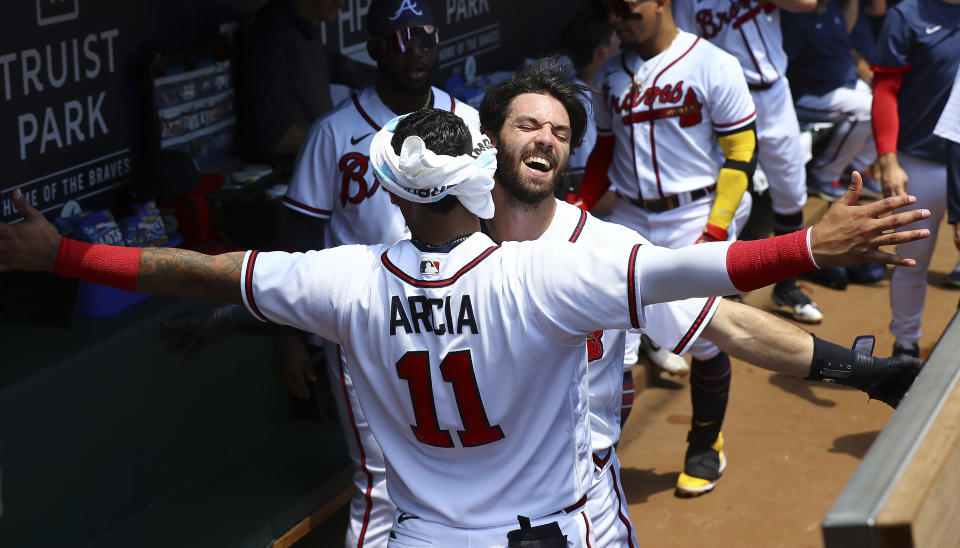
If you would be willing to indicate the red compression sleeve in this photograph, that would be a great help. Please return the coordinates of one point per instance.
(109, 265)
(884, 114)
(595, 182)
(758, 263)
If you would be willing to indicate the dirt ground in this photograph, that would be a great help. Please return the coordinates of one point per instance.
(791, 444)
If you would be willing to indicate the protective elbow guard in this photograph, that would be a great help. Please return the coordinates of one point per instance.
(884, 379)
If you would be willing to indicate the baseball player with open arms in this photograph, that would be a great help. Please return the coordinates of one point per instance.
(518, 115)
(750, 31)
(334, 199)
(675, 125)
(474, 430)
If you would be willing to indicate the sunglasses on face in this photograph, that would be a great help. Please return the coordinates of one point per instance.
(622, 8)
(399, 41)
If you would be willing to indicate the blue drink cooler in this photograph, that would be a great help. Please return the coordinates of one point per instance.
(98, 301)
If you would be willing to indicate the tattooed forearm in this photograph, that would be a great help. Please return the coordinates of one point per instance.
(183, 273)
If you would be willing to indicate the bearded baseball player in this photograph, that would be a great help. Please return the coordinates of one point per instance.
(675, 125)
(475, 430)
(334, 199)
(750, 31)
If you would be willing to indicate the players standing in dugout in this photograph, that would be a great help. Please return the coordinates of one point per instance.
(750, 31)
(444, 485)
(519, 115)
(675, 126)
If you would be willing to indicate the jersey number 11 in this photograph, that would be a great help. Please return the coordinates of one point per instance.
(457, 369)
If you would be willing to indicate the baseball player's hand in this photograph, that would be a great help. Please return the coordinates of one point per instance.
(889, 379)
(28, 245)
(849, 234)
(292, 361)
(890, 175)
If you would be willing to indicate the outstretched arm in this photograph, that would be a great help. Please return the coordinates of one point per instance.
(765, 340)
(34, 244)
(760, 338)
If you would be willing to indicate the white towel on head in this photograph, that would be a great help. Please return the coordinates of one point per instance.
(419, 175)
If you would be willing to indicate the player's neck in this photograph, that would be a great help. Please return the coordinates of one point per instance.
(517, 221)
(659, 43)
(437, 229)
(402, 101)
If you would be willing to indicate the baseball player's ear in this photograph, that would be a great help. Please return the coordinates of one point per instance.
(492, 137)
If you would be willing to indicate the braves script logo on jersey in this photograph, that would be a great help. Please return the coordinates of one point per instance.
(737, 14)
(595, 346)
(689, 112)
(354, 166)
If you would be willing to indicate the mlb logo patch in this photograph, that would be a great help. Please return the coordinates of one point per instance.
(429, 267)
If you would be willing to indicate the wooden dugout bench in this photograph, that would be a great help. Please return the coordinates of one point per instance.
(108, 441)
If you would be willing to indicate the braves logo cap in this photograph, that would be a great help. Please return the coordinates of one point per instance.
(385, 16)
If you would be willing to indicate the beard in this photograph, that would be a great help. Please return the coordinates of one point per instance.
(519, 188)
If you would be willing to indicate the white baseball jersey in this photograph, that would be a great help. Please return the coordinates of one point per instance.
(665, 113)
(333, 179)
(673, 325)
(470, 364)
(749, 30)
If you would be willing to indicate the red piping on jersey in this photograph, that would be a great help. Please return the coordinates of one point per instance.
(746, 44)
(694, 326)
(356, 103)
(437, 283)
(297, 204)
(653, 145)
(579, 229)
(363, 456)
(574, 506)
(586, 522)
(453, 103)
(624, 519)
(752, 114)
(631, 287)
(248, 286)
(633, 149)
(601, 462)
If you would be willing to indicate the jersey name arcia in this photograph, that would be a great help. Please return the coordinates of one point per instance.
(418, 314)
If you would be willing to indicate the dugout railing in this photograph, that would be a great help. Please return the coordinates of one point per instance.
(905, 492)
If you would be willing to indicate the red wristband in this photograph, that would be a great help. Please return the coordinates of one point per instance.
(109, 265)
(758, 263)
